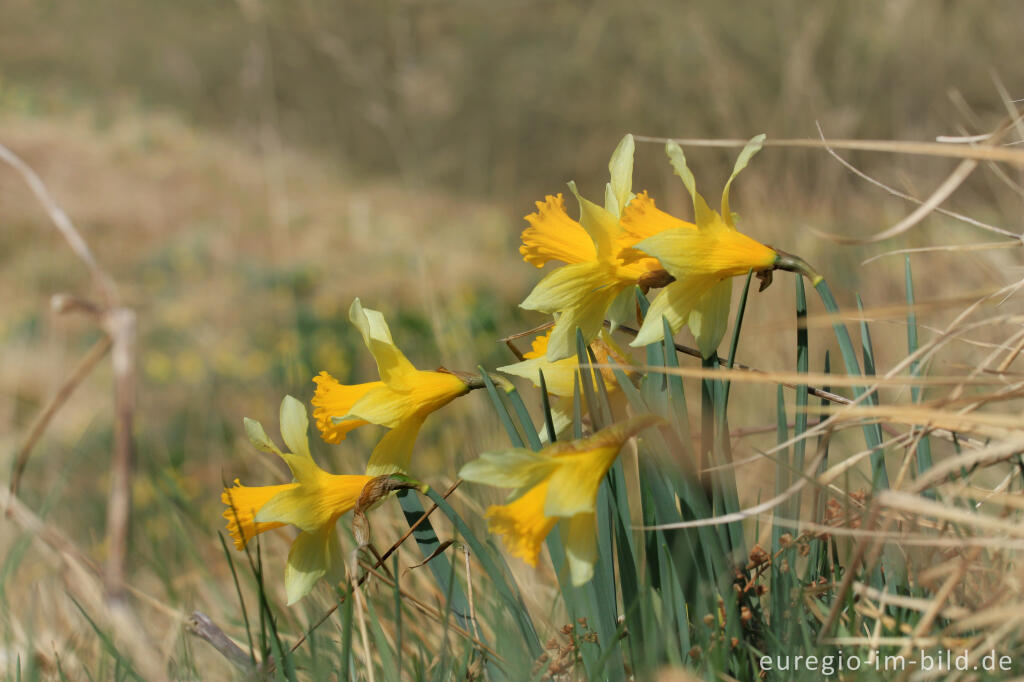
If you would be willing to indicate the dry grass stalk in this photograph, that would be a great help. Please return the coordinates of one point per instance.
(119, 323)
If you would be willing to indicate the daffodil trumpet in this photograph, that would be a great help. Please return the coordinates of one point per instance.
(555, 485)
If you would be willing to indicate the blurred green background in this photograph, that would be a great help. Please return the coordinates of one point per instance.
(245, 169)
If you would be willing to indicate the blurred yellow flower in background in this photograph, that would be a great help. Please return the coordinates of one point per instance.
(558, 483)
(313, 502)
(596, 282)
(401, 400)
(703, 259)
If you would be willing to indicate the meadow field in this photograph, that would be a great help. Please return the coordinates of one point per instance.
(193, 196)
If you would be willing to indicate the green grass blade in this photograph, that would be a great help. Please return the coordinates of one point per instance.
(388, 660)
(525, 421)
(802, 367)
(440, 566)
(549, 421)
(107, 643)
(346, 635)
(866, 346)
(502, 410)
(734, 343)
(241, 599)
(872, 432)
(506, 588)
(577, 408)
(586, 375)
(924, 445)
(676, 392)
(396, 571)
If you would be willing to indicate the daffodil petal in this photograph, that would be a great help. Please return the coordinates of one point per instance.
(643, 219)
(394, 450)
(580, 536)
(622, 309)
(588, 316)
(559, 376)
(307, 507)
(620, 169)
(294, 425)
(581, 466)
(515, 468)
(566, 287)
(752, 148)
(562, 418)
(383, 406)
(574, 483)
(710, 317)
(601, 225)
(295, 431)
(674, 303)
(714, 250)
(395, 369)
(428, 391)
(701, 211)
(313, 556)
(522, 524)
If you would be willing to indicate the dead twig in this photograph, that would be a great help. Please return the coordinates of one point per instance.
(81, 371)
(200, 625)
(119, 323)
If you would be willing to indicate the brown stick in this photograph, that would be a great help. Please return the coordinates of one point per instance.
(81, 371)
(121, 325)
(63, 224)
(200, 625)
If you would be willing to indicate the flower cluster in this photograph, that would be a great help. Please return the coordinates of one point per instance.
(630, 242)
(607, 254)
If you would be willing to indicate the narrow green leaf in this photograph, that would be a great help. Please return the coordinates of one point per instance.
(507, 589)
(549, 420)
(440, 566)
(346, 637)
(107, 642)
(872, 431)
(525, 422)
(387, 658)
(867, 348)
(802, 367)
(238, 591)
(586, 381)
(396, 571)
(577, 408)
(924, 445)
(503, 413)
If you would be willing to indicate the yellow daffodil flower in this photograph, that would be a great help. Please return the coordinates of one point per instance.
(401, 400)
(703, 258)
(313, 502)
(557, 484)
(560, 375)
(596, 282)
